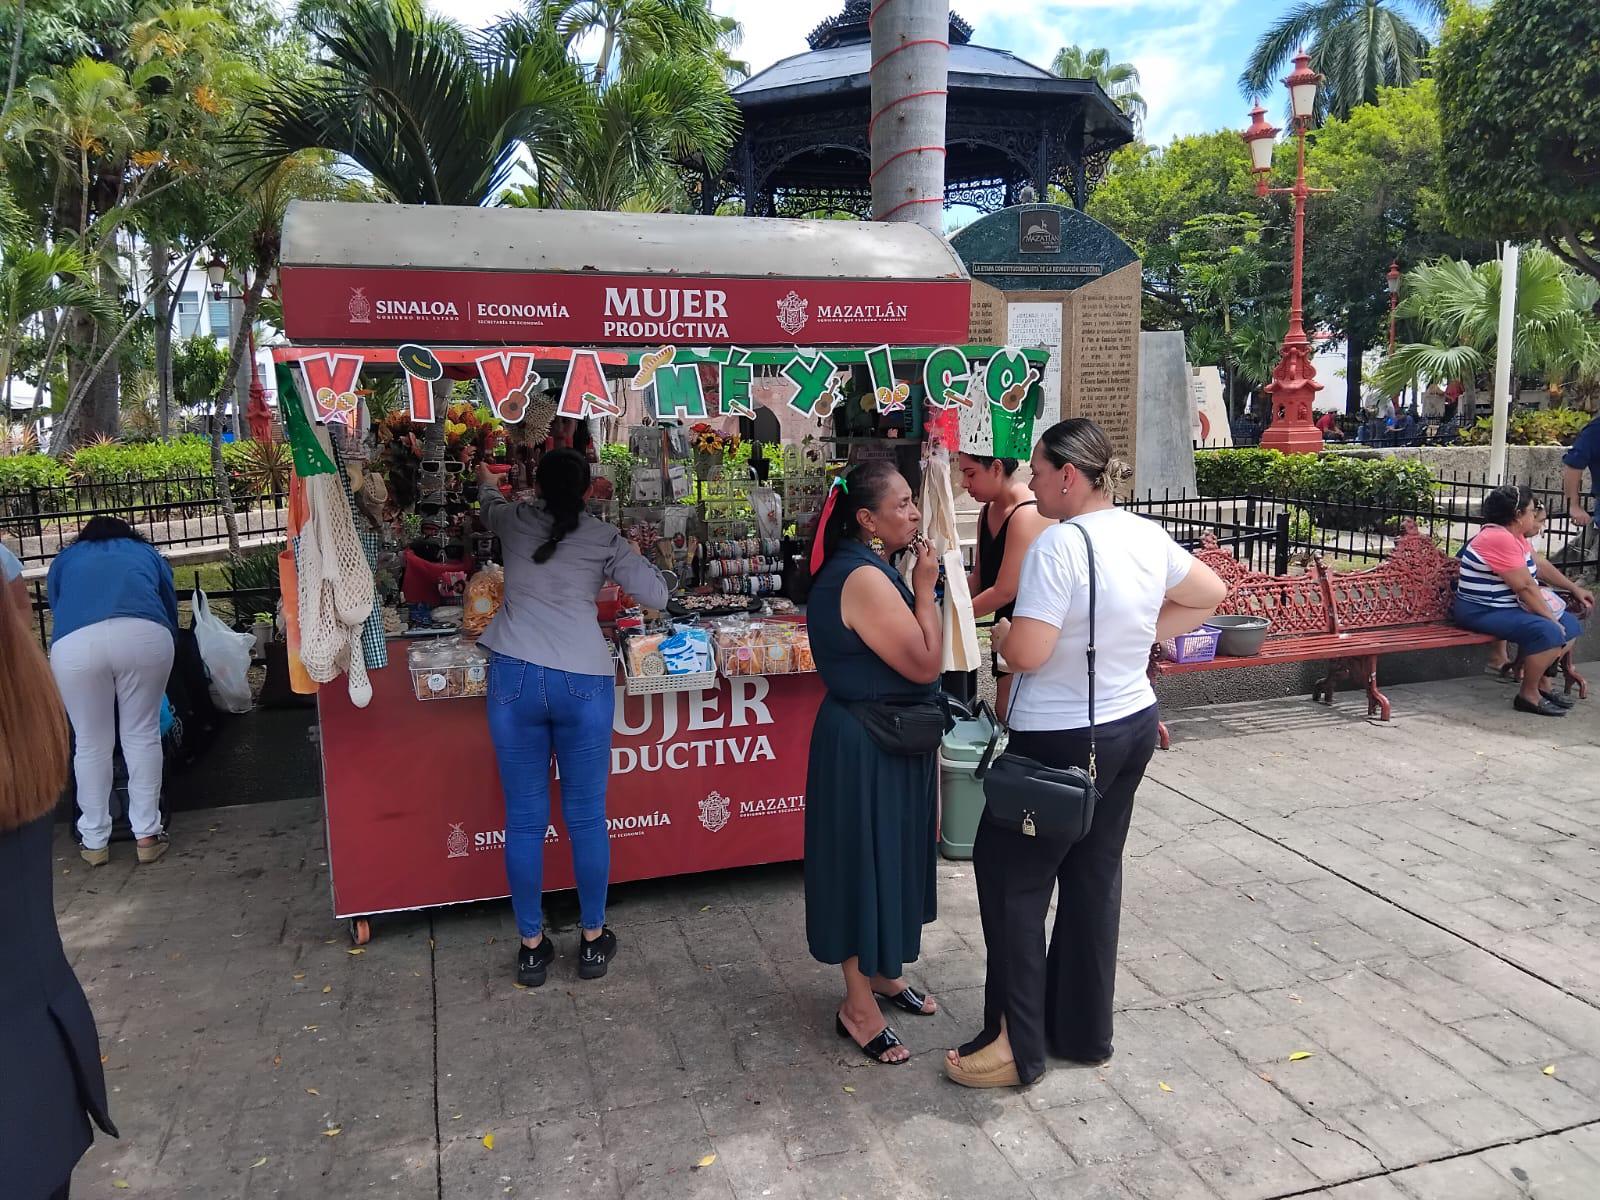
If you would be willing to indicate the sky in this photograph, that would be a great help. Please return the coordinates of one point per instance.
(1188, 52)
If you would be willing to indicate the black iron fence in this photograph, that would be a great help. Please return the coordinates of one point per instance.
(172, 512)
(1266, 528)
(1347, 432)
(236, 606)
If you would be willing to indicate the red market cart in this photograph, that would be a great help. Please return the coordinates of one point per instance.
(702, 779)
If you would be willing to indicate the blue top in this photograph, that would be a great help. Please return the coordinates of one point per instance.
(91, 582)
(10, 567)
(1585, 454)
(849, 668)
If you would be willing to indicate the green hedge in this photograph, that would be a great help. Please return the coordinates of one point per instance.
(19, 471)
(1314, 477)
(1532, 427)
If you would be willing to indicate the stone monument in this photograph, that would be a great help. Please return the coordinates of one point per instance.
(1071, 286)
(1164, 459)
(1211, 426)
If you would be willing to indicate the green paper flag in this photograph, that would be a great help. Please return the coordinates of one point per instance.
(309, 456)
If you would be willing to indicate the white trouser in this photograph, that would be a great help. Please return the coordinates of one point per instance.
(112, 675)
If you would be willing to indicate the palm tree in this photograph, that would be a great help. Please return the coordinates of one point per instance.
(432, 117)
(627, 136)
(633, 32)
(78, 116)
(1458, 307)
(36, 280)
(1359, 45)
(1120, 81)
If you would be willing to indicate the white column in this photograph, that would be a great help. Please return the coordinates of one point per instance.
(909, 79)
(1504, 351)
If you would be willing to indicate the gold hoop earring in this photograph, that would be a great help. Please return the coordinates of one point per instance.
(877, 545)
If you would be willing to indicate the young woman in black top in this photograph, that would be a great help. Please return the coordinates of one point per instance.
(1009, 523)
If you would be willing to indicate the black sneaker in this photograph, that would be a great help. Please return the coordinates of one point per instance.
(533, 965)
(596, 955)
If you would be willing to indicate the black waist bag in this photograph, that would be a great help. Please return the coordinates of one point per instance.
(1026, 796)
(906, 727)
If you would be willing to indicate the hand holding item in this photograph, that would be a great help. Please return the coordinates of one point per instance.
(1579, 514)
(487, 476)
(997, 638)
(1585, 599)
(926, 573)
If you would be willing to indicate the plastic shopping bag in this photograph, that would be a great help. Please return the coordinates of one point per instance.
(226, 655)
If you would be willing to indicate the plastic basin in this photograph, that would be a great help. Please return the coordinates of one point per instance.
(1241, 636)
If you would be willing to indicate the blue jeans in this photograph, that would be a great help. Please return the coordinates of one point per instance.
(533, 711)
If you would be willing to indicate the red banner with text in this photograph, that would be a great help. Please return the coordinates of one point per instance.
(699, 781)
(347, 303)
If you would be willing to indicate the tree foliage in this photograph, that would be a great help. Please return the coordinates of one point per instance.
(1519, 98)
(1119, 80)
(433, 118)
(1457, 305)
(1358, 45)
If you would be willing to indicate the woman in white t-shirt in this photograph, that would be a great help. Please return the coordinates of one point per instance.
(1148, 587)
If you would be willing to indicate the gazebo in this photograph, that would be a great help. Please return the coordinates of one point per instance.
(803, 149)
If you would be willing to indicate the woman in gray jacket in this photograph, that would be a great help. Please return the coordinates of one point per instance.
(551, 691)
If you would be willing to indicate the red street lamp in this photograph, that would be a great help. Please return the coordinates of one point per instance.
(1294, 381)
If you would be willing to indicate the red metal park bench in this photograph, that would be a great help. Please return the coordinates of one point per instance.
(1347, 619)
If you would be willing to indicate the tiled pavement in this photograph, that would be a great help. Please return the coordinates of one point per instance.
(1411, 906)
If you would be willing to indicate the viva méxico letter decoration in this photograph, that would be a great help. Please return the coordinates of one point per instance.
(330, 381)
(508, 380)
(422, 369)
(889, 393)
(733, 384)
(1008, 377)
(584, 392)
(676, 393)
(946, 377)
(812, 377)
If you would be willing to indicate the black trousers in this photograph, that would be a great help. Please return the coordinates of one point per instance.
(1060, 1000)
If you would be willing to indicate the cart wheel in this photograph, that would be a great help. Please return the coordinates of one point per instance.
(360, 930)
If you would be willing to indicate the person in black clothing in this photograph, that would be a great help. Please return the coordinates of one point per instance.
(870, 814)
(51, 1080)
(1146, 587)
(1009, 522)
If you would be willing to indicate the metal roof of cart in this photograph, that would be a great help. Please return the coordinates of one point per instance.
(444, 238)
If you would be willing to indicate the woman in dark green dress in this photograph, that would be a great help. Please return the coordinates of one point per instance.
(870, 815)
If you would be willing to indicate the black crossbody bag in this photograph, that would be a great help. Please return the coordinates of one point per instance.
(1023, 794)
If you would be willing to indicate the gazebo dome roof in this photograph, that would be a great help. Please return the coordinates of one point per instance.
(846, 67)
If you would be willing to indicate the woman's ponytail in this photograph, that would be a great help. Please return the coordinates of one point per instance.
(860, 487)
(563, 478)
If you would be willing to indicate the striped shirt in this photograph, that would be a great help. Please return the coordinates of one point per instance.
(1486, 559)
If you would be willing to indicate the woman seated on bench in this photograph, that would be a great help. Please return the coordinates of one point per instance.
(1499, 593)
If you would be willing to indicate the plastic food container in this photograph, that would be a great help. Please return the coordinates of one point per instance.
(746, 647)
(448, 669)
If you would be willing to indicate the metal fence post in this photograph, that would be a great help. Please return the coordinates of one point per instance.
(1280, 564)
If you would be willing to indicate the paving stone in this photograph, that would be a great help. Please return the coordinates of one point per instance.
(1099, 1131)
(1398, 1135)
(1512, 1040)
(1163, 1175)
(1547, 1168)
(1326, 1150)
(1458, 1179)
(1378, 1188)
(1473, 1122)
(1259, 1168)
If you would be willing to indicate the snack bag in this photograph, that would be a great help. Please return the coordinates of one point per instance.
(485, 591)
